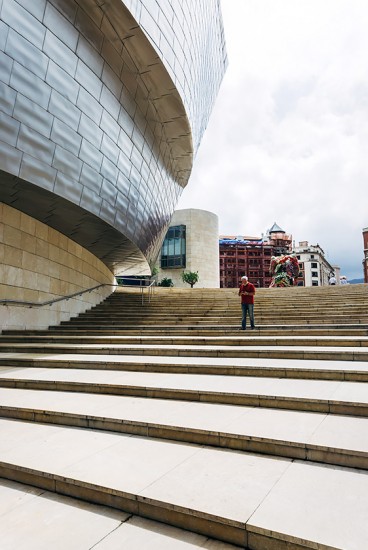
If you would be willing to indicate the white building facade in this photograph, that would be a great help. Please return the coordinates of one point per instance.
(315, 269)
(191, 244)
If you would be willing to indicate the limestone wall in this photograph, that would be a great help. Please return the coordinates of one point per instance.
(38, 264)
(202, 248)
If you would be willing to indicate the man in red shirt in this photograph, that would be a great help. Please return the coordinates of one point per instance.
(247, 292)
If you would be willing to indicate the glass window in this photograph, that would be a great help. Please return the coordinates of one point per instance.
(173, 248)
(314, 265)
(314, 274)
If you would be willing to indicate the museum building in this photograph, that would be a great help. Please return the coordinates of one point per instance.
(102, 110)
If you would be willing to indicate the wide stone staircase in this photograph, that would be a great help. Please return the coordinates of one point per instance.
(157, 423)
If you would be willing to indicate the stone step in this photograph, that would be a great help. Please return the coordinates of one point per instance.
(231, 320)
(241, 498)
(67, 518)
(183, 418)
(270, 368)
(187, 330)
(247, 338)
(326, 396)
(302, 435)
(348, 353)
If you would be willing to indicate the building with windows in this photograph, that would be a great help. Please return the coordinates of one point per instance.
(315, 270)
(191, 244)
(102, 109)
(365, 260)
(240, 255)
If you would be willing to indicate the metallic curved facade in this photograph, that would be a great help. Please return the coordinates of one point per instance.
(102, 108)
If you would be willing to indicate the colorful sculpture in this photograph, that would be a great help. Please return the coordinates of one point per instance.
(284, 269)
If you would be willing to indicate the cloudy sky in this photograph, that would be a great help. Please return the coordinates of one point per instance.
(288, 137)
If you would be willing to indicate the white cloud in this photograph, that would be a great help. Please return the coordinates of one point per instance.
(287, 138)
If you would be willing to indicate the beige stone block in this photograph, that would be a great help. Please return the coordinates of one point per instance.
(64, 273)
(54, 237)
(31, 295)
(13, 276)
(43, 282)
(13, 256)
(73, 261)
(27, 224)
(42, 248)
(55, 286)
(63, 241)
(63, 257)
(41, 231)
(53, 270)
(55, 253)
(29, 279)
(72, 247)
(11, 216)
(1, 230)
(29, 261)
(12, 236)
(28, 243)
(4, 289)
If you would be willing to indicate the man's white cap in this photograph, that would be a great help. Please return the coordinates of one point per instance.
(245, 277)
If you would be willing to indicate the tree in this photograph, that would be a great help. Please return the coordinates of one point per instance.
(190, 277)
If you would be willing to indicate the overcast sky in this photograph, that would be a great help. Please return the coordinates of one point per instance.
(288, 137)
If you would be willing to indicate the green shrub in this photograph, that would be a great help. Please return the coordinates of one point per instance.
(165, 282)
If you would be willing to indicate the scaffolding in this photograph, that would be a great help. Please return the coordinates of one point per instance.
(250, 256)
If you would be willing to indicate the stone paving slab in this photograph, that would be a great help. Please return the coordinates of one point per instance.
(239, 495)
(34, 519)
(301, 506)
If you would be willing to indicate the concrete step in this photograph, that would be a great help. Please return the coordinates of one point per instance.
(348, 353)
(270, 368)
(200, 323)
(24, 509)
(257, 439)
(188, 330)
(293, 434)
(246, 338)
(326, 396)
(241, 498)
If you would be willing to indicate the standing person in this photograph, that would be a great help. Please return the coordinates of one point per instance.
(332, 280)
(247, 292)
(343, 280)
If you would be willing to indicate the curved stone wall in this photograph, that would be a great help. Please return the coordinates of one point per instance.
(38, 264)
(95, 140)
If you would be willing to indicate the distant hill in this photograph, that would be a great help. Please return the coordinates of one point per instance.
(356, 281)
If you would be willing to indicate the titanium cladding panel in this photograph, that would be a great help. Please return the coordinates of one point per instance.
(102, 108)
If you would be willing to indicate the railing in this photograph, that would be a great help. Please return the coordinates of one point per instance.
(50, 302)
(142, 283)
